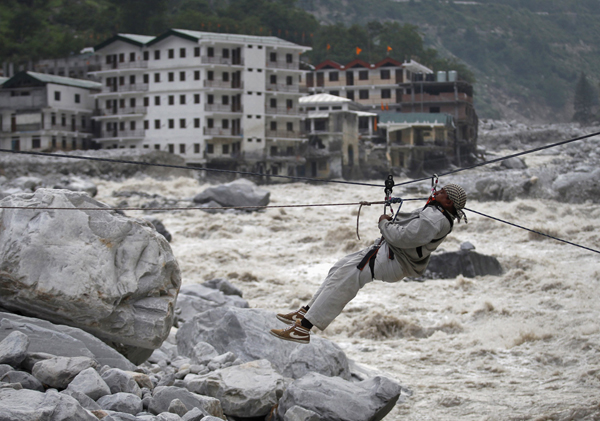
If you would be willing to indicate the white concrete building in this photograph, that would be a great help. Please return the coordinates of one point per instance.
(46, 112)
(219, 100)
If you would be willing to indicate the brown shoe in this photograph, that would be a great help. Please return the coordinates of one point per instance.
(291, 318)
(295, 333)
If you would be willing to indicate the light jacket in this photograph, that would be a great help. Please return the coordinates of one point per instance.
(412, 240)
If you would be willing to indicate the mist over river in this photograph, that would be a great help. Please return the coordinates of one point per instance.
(523, 345)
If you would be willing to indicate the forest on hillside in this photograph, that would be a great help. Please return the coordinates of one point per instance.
(522, 55)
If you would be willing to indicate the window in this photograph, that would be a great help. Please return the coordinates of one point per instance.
(121, 80)
(171, 76)
(146, 146)
(225, 149)
(273, 79)
(289, 58)
(53, 141)
(210, 52)
(56, 95)
(122, 126)
(363, 75)
(156, 54)
(197, 123)
(386, 93)
(182, 99)
(36, 142)
(53, 119)
(210, 75)
(210, 99)
(225, 124)
(225, 100)
(77, 99)
(385, 73)
(121, 57)
(273, 102)
(131, 56)
(225, 77)
(210, 148)
(434, 109)
(157, 147)
(146, 124)
(196, 98)
(146, 102)
(334, 76)
(182, 123)
(196, 148)
(132, 125)
(363, 94)
(122, 103)
(146, 79)
(182, 148)
(196, 51)
(171, 99)
(171, 148)
(156, 100)
(83, 122)
(289, 104)
(132, 102)
(273, 56)
(146, 55)
(273, 150)
(196, 74)
(182, 52)
(350, 95)
(289, 80)
(210, 123)
(225, 52)
(171, 123)
(156, 77)
(157, 124)
(182, 76)
(132, 79)
(290, 126)
(63, 120)
(335, 93)
(171, 53)
(273, 126)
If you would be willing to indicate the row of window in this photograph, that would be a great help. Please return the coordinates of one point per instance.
(364, 94)
(182, 53)
(210, 148)
(36, 143)
(210, 123)
(362, 75)
(57, 96)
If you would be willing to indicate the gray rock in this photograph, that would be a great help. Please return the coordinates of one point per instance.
(121, 381)
(27, 380)
(16, 386)
(30, 405)
(222, 360)
(467, 246)
(247, 390)
(27, 183)
(5, 368)
(296, 413)
(118, 416)
(64, 341)
(468, 263)
(335, 399)
(245, 332)
(515, 163)
(164, 395)
(577, 187)
(203, 353)
(194, 299)
(224, 286)
(240, 192)
(59, 371)
(168, 416)
(13, 348)
(211, 207)
(121, 402)
(142, 380)
(127, 299)
(196, 414)
(177, 407)
(83, 399)
(79, 184)
(90, 383)
(160, 227)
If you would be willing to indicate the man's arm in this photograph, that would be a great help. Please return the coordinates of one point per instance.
(418, 232)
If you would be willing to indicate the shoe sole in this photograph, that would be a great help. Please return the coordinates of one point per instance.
(300, 341)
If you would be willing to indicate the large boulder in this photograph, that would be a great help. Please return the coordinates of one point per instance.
(245, 332)
(466, 262)
(98, 270)
(246, 390)
(195, 298)
(31, 405)
(335, 399)
(240, 192)
(164, 395)
(577, 187)
(61, 340)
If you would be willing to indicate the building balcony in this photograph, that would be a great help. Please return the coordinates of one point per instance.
(31, 127)
(223, 108)
(282, 64)
(227, 61)
(127, 111)
(281, 111)
(121, 134)
(219, 84)
(442, 97)
(221, 132)
(285, 134)
(129, 65)
(135, 87)
(281, 87)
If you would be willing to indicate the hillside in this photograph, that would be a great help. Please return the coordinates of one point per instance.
(526, 54)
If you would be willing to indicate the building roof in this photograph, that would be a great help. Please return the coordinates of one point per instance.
(430, 119)
(322, 99)
(44, 78)
(411, 65)
(3, 79)
(227, 38)
(137, 40)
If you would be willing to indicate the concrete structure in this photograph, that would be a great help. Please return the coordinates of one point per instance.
(219, 100)
(418, 142)
(43, 112)
(76, 66)
(373, 85)
(334, 126)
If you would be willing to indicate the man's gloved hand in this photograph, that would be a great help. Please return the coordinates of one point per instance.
(386, 217)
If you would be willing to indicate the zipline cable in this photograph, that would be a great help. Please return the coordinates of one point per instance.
(534, 231)
(185, 167)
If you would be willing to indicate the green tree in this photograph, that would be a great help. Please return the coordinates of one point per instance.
(584, 100)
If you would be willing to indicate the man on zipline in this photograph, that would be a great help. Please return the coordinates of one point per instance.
(404, 250)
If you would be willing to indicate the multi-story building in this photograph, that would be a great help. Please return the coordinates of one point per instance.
(42, 111)
(219, 100)
(334, 126)
(372, 85)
